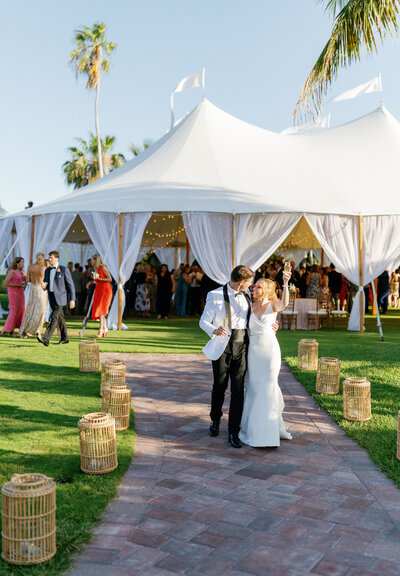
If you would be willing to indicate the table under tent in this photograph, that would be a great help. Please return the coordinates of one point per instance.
(240, 191)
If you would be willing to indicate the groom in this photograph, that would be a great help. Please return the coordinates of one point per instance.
(58, 281)
(232, 302)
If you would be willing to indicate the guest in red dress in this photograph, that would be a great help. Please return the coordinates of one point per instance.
(102, 293)
(15, 283)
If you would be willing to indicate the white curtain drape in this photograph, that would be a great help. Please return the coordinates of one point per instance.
(102, 228)
(210, 237)
(5, 237)
(338, 236)
(50, 231)
(259, 235)
(23, 226)
(133, 227)
(168, 256)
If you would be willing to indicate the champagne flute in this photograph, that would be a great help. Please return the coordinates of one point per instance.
(225, 323)
(287, 267)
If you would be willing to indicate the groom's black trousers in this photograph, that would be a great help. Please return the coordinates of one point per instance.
(231, 365)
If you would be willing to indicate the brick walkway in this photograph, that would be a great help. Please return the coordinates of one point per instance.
(191, 504)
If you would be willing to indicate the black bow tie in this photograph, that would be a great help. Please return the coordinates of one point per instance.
(238, 294)
(52, 267)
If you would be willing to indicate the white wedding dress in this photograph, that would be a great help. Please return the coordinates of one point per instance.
(262, 423)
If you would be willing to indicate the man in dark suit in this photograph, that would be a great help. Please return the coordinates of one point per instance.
(334, 283)
(279, 273)
(60, 286)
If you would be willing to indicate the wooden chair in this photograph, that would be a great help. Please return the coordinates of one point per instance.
(289, 314)
(317, 316)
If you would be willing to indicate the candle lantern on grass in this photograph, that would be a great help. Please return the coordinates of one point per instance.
(28, 519)
(113, 372)
(117, 403)
(89, 360)
(307, 356)
(98, 443)
(357, 399)
(328, 376)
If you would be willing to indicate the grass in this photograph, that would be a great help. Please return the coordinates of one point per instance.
(42, 396)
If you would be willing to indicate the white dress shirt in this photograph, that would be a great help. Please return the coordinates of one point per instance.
(52, 275)
(214, 310)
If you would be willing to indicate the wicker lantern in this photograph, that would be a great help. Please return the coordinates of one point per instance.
(114, 372)
(89, 360)
(98, 443)
(357, 399)
(307, 357)
(117, 403)
(328, 376)
(398, 436)
(29, 519)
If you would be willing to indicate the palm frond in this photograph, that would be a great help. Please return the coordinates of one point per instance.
(356, 26)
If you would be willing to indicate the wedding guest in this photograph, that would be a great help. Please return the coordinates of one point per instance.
(335, 283)
(58, 282)
(195, 290)
(102, 294)
(325, 293)
(37, 303)
(302, 281)
(80, 288)
(313, 282)
(383, 291)
(151, 281)
(142, 304)
(177, 272)
(279, 273)
(344, 290)
(183, 290)
(165, 289)
(15, 284)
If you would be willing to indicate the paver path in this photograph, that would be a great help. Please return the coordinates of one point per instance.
(191, 504)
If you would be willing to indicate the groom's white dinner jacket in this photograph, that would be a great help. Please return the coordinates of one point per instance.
(214, 310)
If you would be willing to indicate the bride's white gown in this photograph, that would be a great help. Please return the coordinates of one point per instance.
(262, 423)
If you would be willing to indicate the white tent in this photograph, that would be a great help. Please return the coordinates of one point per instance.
(241, 190)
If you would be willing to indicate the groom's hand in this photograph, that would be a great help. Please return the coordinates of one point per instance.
(220, 331)
(275, 327)
(72, 304)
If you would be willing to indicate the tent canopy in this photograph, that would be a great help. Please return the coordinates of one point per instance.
(214, 162)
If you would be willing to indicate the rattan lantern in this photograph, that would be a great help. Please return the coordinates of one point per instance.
(307, 356)
(98, 443)
(29, 519)
(117, 403)
(89, 360)
(328, 376)
(113, 372)
(357, 399)
(398, 436)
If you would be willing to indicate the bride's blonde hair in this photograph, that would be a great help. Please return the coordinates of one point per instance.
(268, 289)
(40, 259)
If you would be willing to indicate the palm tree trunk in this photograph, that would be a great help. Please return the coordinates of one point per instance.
(99, 151)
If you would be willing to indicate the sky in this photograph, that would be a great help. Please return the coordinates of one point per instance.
(257, 55)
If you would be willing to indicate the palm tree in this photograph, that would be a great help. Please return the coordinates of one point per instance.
(135, 150)
(84, 166)
(357, 24)
(88, 59)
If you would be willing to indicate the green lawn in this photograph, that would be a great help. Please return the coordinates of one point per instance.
(43, 395)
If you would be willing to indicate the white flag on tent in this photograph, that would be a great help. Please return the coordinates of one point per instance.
(374, 85)
(194, 81)
(321, 122)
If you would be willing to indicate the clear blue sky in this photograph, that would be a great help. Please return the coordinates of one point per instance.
(257, 55)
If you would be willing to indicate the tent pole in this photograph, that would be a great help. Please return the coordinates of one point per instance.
(360, 267)
(233, 240)
(32, 239)
(119, 273)
(322, 256)
(187, 250)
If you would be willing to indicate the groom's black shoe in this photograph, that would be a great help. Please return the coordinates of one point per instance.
(234, 440)
(62, 342)
(40, 339)
(214, 428)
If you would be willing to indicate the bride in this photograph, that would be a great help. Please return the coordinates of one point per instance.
(262, 423)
